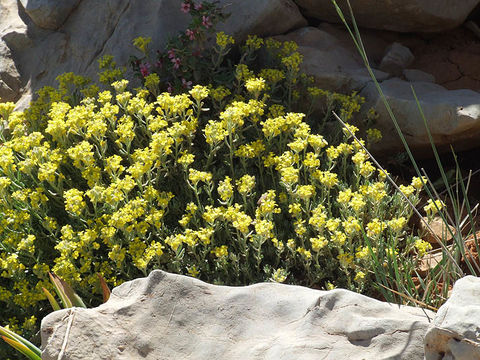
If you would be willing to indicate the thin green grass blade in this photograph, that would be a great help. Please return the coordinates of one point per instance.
(21, 348)
(51, 300)
(11, 335)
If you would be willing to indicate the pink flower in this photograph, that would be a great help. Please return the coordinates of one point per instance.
(176, 63)
(190, 34)
(170, 88)
(206, 21)
(145, 69)
(186, 84)
(185, 8)
(171, 53)
(198, 6)
(159, 64)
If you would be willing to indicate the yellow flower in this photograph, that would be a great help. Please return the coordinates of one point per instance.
(224, 40)
(422, 247)
(255, 85)
(359, 276)
(195, 176)
(74, 201)
(280, 275)
(186, 159)
(220, 252)
(199, 92)
(245, 184)
(254, 42)
(397, 224)
(305, 192)
(289, 175)
(225, 189)
(375, 227)
(193, 271)
(295, 209)
(141, 43)
(318, 243)
(264, 228)
(417, 182)
(433, 207)
(346, 260)
(306, 254)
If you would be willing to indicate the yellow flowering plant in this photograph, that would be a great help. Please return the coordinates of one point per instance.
(227, 183)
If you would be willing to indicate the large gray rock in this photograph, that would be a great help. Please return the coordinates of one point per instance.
(167, 316)
(92, 28)
(13, 37)
(453, 116)
(49, 14)
(396, 15)
(455, 332)
(326, 57)
(396, 59)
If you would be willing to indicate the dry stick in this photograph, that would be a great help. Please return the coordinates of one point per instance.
(410, 298)
(71, 315)
(437, 239)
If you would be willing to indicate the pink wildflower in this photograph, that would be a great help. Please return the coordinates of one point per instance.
(176, 63)
(145, 69)
(206, 21)
(190, 34)
(186, 84)
(198, 6)
(170, 88)
(171, 53)
(185, 8)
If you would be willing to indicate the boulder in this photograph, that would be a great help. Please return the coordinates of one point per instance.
(414, 75)
(395, 15)
(166, 316)
(49, 14)
(453, 116)
(13, 37)
(396, 59)
(455, 331)
(334, 65)
(261, 17)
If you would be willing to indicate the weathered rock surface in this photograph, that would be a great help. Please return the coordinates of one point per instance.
(414, 75)
(396, 15)
(167, 316)
(453, 116)
(91, 29)
(334, 66)
(455, 332)
(49, 14)
(396, 59)
(13, 37)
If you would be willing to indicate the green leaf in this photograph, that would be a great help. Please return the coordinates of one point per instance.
(51, 300)
(22, 348)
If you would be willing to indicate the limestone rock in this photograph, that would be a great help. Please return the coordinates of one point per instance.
(438, 228)
(414, 75)
(261, 17)
(395, 15)
(166, 316)
(325, 57)
(13, 37)
(396, 59)
(453, 116)
(455, 332)
(49, 14)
